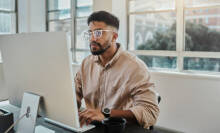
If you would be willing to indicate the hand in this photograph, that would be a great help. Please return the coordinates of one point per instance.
(89, 115)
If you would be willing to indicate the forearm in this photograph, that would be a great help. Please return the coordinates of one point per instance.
(127, 114)
(78, 87)
(78, 104)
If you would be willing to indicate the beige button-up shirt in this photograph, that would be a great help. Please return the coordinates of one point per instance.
(123, 83)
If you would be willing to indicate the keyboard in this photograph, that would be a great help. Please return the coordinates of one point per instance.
(84, 128)
(75, 129)
(43, 129)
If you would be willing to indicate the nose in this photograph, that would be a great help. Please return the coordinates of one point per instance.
(92, 38)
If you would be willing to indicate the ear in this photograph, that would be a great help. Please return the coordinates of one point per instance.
(114, 37)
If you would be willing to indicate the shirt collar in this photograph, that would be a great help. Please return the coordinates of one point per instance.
(113, 60)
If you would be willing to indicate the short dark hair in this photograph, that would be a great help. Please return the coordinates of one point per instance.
(105, 17)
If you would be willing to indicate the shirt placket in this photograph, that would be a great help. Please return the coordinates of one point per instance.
(103, 88)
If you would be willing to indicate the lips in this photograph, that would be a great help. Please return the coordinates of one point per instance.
(94, 45)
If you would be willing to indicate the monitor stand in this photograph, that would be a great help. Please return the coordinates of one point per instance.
(28, 113)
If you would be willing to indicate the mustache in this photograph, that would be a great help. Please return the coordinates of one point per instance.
(96, 43)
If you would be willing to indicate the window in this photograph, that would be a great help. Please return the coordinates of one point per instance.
(202, 37)
(8, 15)
(83, 10)
(71, 19)
(181, 35)
(153, 28)
(59, 15)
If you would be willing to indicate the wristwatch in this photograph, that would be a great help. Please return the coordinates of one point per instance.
(106, 112)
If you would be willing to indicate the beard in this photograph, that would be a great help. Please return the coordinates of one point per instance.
(101, 49)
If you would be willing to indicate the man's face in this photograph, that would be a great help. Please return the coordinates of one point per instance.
(99, 44)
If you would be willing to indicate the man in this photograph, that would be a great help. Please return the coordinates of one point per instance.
(113, 82)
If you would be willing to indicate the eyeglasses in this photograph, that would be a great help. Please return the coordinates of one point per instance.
(87, 35)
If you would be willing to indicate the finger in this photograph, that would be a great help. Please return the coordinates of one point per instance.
(83, 116)
(86, 116)
(89, 118)
(86, 111)
(80, 118)
(89, 114)
(94, 118)
(82, 121)
(82, 112)
(88, 121)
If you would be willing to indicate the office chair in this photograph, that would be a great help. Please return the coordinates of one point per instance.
(158, 100)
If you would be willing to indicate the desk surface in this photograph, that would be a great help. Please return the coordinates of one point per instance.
(98, 129)
(56, 129)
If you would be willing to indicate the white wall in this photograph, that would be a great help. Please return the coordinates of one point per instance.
(120, 12)
(189, 103)
(102, 5)
(3, 91)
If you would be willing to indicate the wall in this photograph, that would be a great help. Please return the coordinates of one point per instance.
(120, 12)
(189, 103)
(3, 91)
(102, 5)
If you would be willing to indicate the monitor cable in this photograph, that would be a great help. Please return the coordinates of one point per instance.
(27, 114)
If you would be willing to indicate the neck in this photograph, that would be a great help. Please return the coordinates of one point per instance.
(108, 54)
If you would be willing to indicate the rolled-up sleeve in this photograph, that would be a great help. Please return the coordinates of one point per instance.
(145, 105)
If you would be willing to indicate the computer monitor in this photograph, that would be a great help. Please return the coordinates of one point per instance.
(41, 63)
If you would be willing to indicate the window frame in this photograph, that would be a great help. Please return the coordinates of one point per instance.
(15, 12)
(180, 52)
(54, 10)
(73, 18)
(74, 45)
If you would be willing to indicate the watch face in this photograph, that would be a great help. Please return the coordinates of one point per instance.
(106, 110)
